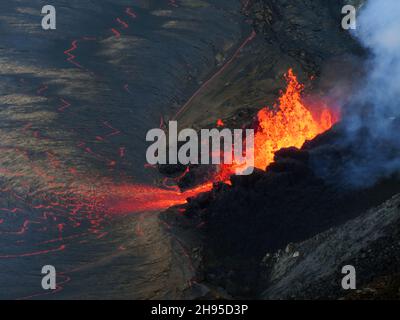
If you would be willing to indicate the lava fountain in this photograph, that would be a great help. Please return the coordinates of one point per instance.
(289, 123)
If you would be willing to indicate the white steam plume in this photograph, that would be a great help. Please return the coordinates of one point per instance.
(372, 118)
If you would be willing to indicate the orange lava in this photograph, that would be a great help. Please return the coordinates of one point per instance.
(288, 124)
(140, 198)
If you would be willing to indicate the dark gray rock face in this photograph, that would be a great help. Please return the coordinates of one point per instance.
(312, 269)
(303, 35)
(309, 31)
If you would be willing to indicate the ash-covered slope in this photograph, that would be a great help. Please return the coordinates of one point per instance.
(312, 269)
(305, 35)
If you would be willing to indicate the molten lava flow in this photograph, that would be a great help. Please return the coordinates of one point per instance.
(289, 124)
(139, 198)
(66, 214)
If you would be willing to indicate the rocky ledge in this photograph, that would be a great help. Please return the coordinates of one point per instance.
(312, 269)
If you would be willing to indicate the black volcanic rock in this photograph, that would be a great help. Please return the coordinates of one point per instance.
(267, 210)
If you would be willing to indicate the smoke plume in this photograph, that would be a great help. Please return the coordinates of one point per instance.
(371, 118)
